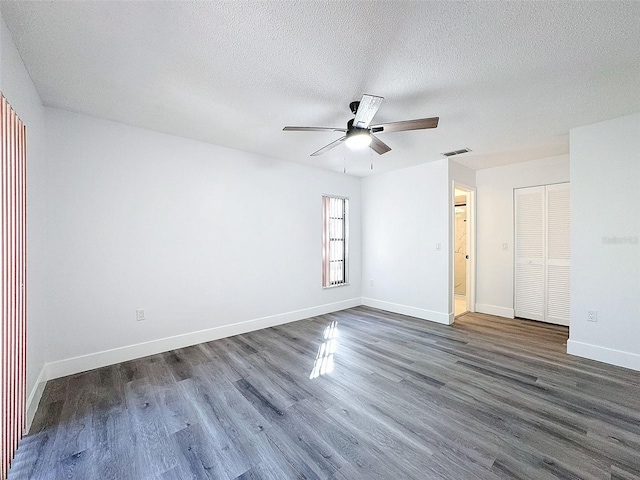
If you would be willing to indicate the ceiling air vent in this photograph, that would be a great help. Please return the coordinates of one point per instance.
(456, 152)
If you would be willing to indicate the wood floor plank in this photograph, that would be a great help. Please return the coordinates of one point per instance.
(395, 398)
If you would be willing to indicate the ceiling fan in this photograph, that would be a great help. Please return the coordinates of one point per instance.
(360, 133)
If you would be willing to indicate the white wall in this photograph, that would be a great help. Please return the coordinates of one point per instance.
(405, 214)
(460, 174)
(202, 237)
(494, 276)
(605, 249)
(18, 89)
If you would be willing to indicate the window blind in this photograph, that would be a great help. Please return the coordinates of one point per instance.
(334, 241)
(14, 273)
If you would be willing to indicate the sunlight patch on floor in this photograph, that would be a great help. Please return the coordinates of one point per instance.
(324, 359)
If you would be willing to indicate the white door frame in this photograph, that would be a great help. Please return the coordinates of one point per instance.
(471, 246)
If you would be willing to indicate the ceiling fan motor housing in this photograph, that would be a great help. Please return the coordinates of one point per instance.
(351, 130)
(356, 138)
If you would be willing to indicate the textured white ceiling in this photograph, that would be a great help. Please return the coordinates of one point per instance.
(507, 80)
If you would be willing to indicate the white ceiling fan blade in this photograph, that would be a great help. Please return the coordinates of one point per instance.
(329, 147)
(367, 109)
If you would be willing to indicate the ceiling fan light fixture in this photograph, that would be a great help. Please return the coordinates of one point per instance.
(357, 140)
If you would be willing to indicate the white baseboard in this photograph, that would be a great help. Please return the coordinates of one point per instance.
(495, 310)
(603, 354)
(83, 363)
(70, 366)
(36, 394)
(439, 317)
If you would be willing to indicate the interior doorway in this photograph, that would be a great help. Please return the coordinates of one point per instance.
(463, 233)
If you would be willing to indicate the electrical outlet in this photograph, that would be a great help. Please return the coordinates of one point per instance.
(371, 282)
(140, 314)
(592, 315)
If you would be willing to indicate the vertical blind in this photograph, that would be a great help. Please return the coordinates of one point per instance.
(334, 241)
(14, 272)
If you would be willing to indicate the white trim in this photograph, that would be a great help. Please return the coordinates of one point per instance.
(557, 321)
(604, 354)
(438, 317)
(36, 395)
(495, 310)
(70, 366)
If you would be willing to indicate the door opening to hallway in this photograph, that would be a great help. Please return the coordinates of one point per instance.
(461, 252)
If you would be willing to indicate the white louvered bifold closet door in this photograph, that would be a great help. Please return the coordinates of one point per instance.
(542, 244)
(558, 253)
(530, 254)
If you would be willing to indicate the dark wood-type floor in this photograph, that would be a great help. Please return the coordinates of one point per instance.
(407, 399)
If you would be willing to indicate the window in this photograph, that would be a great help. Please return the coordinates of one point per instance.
(335, 241)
